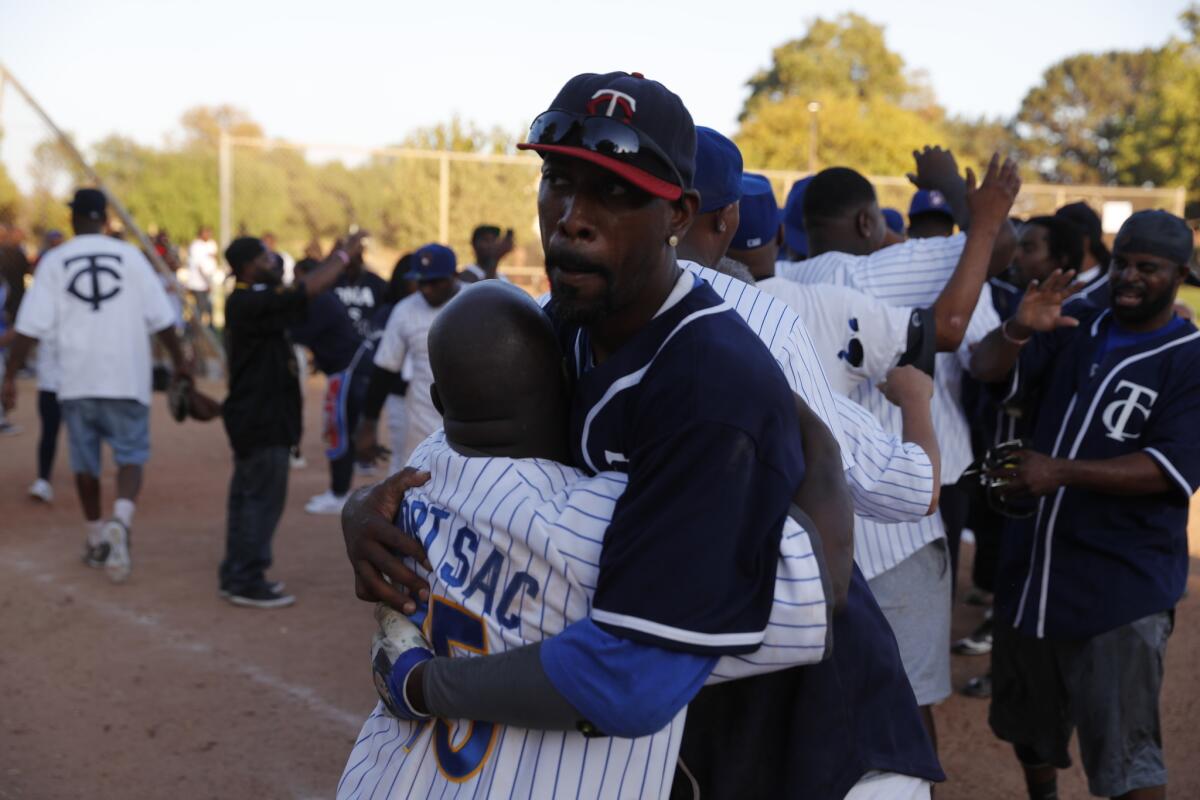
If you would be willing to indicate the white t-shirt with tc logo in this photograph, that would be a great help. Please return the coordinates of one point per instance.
(99, 300)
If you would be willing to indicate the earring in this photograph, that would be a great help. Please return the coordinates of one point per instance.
(720, 227)
(673, 240)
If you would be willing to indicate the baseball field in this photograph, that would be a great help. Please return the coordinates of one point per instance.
(158, 688)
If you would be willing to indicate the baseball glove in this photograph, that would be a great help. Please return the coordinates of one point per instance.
(179, 398)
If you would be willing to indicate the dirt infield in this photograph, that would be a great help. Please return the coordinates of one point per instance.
(158, 688)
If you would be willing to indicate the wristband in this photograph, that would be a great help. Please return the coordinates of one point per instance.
(1008, 338)
(397, 682)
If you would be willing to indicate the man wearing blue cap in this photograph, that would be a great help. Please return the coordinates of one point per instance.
(929, 215)
(404, 338)
(1087, 586)
(718, 170)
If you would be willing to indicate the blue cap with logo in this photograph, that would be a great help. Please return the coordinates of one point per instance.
(624, 123)
(929, 201)
(718, 170)
(433, 262)
(759, 214)
(793, 218)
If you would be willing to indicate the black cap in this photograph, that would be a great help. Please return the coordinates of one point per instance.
(648, 107)
(1156, 233)
(90, 203)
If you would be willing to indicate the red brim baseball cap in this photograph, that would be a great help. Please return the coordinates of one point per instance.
(638, 177)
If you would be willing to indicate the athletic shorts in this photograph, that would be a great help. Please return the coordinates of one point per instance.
(123, 423)
(1106, 687)
(914, 595)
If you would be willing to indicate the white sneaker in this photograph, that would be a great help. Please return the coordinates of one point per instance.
(42, 490)
(297, 461)
(9, 429)
(119, 563)
(325, 503)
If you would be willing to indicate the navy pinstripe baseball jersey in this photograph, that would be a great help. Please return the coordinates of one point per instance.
(1088, 562)
(516, 549)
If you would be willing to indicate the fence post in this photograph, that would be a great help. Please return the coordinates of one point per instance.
(225, 177)
(1180, 200)
(444, 199)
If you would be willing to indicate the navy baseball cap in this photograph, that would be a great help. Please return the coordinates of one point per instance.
(929, 201)
(630, 125)
(759, 214)
(433, 262)
(894, 220)
(793, 217)
(718, 170)
(90, 203)
(1157, 233)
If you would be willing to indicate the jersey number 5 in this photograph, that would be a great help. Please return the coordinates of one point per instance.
(451, 625)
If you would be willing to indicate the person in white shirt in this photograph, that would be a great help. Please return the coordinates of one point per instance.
(203, 268)
(289, 263)
(405, 339)
(908, 565)
(489, 248)
(99, 299)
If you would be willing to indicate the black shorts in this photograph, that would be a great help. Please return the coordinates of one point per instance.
(1106, 687)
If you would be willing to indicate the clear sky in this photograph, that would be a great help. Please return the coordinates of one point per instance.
(365, 72)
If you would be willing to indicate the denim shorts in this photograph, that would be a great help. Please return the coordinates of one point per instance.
(122, 422)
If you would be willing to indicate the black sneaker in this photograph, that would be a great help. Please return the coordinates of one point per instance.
(275, 586)
(979, 688)
(262, 596)
(94, 555)
(979, 643)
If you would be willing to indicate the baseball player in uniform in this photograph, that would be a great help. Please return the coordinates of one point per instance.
(100, 300)
(1088, 584)
(514, 543)
(404, 339)
(626, 314)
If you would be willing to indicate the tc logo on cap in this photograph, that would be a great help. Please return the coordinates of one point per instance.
(936, 198)
(615, 100)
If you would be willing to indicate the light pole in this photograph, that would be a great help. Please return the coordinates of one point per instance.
(814, 108)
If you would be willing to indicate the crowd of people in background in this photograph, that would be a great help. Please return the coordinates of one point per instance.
(1018, 383)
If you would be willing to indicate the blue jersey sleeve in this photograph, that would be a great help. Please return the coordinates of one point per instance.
(623, 687)
(689, 559)
(1170, 434)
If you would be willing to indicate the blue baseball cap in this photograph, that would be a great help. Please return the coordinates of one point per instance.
(718, 170)
(894, 220)
(759, 214)
(793, 217)
(929, 201)
(433, 262)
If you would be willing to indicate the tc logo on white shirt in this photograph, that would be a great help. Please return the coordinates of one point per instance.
(97, 282)
(1118, 413)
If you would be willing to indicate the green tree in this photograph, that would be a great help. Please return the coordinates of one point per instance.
(1162, 141)
(1071, 123)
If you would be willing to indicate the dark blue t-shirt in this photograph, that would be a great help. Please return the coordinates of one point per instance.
(1089, 562)
(697, 412)
(362, 296)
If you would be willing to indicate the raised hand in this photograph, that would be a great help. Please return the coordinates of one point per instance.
(1041, 307)
(936, 169)
(992, 200)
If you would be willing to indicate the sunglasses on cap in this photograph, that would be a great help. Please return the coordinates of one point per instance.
(600, 134)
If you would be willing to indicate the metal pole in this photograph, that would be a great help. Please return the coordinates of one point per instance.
(225, 179)
(814, 133)
(444, 200)
(1180, 200)
(118, 207)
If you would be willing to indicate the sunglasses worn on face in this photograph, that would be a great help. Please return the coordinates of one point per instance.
(599, 134)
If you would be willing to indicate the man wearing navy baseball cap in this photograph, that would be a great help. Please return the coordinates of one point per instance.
(795, 237)
(718, 172)
(929, 215)
(405, 340)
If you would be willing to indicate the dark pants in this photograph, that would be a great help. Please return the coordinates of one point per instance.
(51, 417)
(341, 470)
(953, 506)
(256, 496)
(988, 527)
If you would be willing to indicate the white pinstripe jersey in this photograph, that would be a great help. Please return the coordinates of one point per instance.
(515, 548)
(911, 274)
